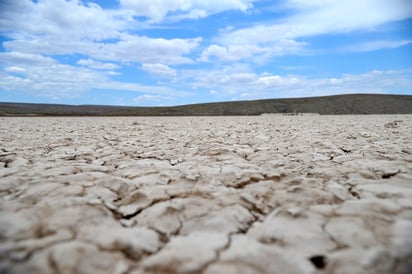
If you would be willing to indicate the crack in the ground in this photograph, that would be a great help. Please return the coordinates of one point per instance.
(346, 151)
(353, 192)
(137, 212)
(388, 175)
(251, 180)
(338, 245)
(218, 253)
(172, 162)
(113, 210)
(254, 208)
(52, 264)
(201, 192)
(23, 250)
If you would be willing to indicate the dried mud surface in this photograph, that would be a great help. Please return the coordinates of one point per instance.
(268, 194)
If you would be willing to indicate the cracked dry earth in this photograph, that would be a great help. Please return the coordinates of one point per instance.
(267, 194)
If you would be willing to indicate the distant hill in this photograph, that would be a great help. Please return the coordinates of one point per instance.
(325, 105)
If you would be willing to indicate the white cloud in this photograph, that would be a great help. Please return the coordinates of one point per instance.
(333, 16)
(260, 53)
(130, 49)
(59, 27)
(276, 80)
(26, 59)
(318, 17)
(44, 76)
(234, 83)
(308, 18)
(238, 78)
(160, 70)
(157, 10)
(297, 68)
(15, 69)
(96, 64)
(154, 90)
(143, 49)
(113, 73)
(376, 45)
(231, 53)
(150, 99)
(107, 39)
(46, 28)
(71, 20)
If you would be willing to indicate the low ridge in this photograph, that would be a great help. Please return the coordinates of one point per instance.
(324, 105)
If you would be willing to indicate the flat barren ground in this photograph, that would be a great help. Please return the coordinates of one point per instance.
(267, 194)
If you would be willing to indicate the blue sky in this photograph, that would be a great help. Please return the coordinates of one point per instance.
(173, 52)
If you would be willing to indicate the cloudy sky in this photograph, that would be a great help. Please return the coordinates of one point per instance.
(172, 52)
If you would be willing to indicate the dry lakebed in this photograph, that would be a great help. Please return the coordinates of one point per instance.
(257, 194)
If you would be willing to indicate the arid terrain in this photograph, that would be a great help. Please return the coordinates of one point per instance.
(260, 194)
